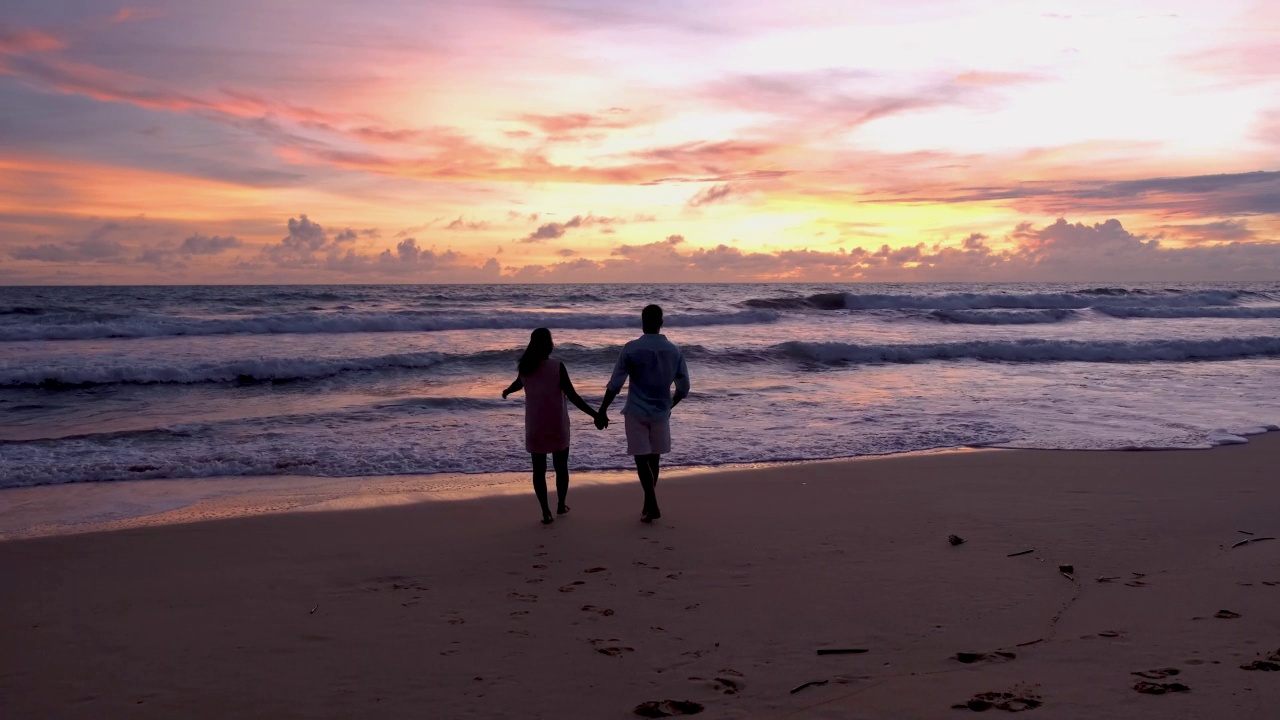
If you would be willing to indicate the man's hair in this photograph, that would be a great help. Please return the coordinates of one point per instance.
(651, 318)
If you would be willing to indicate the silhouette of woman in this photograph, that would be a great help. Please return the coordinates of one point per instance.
(546, 386)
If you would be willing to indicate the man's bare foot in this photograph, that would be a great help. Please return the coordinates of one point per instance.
(562, 509)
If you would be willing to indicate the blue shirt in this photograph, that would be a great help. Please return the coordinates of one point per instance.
(653, 363)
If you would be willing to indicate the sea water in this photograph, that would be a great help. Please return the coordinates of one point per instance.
(117, 383)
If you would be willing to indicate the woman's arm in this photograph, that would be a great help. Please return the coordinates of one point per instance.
(566, 386)
(516, 386)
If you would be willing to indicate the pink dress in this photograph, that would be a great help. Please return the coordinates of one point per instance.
(546, 411)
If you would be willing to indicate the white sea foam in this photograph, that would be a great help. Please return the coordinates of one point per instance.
(71, 328)
(1036, 350)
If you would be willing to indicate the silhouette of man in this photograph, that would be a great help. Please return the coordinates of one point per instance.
(653, 363)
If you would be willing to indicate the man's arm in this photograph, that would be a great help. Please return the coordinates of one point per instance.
(682, 382)
(516, 386)
(615, 381)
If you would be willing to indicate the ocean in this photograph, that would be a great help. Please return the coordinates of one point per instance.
(120, 383)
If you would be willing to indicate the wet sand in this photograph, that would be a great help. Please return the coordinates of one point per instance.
(473, 609)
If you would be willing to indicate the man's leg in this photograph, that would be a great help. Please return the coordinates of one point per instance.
(644, 470)
(540, 484)
(560, 459)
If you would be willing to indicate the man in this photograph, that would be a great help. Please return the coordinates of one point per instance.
(653, 363)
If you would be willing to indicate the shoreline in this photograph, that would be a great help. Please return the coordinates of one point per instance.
(78, 508)
(90, 507)
(474, 609)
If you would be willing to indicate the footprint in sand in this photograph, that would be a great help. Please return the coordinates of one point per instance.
(539, 567)
(673, 576)
(667, 708)
(1157, 674)
(393, 582)
(571, 586)
(1271, 664)
(1015, 701)
(1150, 688)
(996, 656)
(604, 612)
(604, 647)
(519, 613)
(522, 597)
(594, 570)
(722, 683)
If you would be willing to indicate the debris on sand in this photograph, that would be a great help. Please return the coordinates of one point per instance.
(1226, 615)
(841, 651)
(955, 540)
(811, 683)
(1022, 552)
(667, 708)
(973, 657)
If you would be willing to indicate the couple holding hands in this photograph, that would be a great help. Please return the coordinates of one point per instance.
(652, 363)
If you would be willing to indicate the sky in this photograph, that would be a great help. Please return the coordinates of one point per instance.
(327, 141)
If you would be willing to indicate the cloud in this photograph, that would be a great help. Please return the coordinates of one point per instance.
(208, 245)
(556, 230)
(708, 196)
(305, 243)
(461, 224)
(127, 14)
(1230, 194)
(1060, 251)
(567, 126)
(21, 41)
(96, 246)
(309, 247)
(1220, 231)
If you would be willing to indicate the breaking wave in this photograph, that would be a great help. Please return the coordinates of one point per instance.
(824, 353)
(371, 322)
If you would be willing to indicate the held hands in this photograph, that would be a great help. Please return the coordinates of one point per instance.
(602, 421)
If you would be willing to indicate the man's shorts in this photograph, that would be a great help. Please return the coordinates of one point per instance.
(647, 436)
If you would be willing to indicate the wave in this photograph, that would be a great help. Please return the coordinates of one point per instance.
(368, 322)
(823, 353)
(1035, 350)
(1235, 312)
(997, 301)
(235, 371)
(1004, 317)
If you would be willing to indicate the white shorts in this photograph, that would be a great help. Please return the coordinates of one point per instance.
(647, 436)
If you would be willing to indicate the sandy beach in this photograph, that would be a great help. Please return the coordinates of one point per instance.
(472, 609)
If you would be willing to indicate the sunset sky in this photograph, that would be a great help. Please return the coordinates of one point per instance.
(323, 141)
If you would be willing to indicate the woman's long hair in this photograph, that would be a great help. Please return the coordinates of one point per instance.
(540, 347)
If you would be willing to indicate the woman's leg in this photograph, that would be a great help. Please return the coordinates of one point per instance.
(540, 484)
(561, 460)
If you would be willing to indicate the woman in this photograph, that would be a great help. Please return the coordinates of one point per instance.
(546, 385)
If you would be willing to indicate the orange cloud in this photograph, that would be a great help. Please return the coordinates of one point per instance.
(23, 41)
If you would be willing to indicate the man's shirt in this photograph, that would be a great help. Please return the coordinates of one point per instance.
(653, 363)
